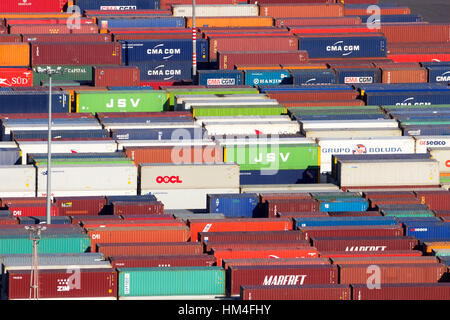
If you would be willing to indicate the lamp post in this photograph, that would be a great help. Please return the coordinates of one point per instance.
(35, 237)
(49, 71)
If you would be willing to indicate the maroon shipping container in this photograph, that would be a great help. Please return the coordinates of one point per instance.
(393, 273)
(355, 214)
(66, 38)
(4, 202)
(302, 214)
(76, 54)
(226, 263)
(435, 200)
(312, 95)
(140, 217)
(406, 65)
(272, 207)
(78, 219)
(123, 76)
(267, 43)
(86, 283)
(364, 244)
(75, 206)
(291, 275)
(323, 103)
(384, 260)
(380, 202)
(306, 292)
(351, 231)
(52, 29)
(10, 38)
(416, 32)
(282, 196)
(246, 236)
(150, 36)
(337, 21)
(210, 246)
(149, 248)
(200, 260)
(229, 59)
(388, 194)
(404, 75)
(32, 210)
(31, 20)
(395, 291)
(370, 254)
(8, 221)
(147, 207)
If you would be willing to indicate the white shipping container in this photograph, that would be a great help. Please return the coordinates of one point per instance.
(57, 127)
(261, 140)
(251, 128)
(88, 180)
(153, 125)
(84, 146)
(8, 145)
(442, 155)
(186, 198)
(290, 188)
(348, 124)
(425, 142)
(163, 143)
(398, 172)
(188, 176)
(187, 105)
(216, 10)
(201, 120)
(18, 181)
(179, 99)
(353, 133)
(378, 145)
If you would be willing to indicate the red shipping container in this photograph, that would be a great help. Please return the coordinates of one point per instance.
(124, 76)
(3, 30)
(338, 21)
(330, 30)
(146, 208)
(130, 223)
(302, 214)
(83, 218)
(416, 32)
(383, 11)
(393, 273)
(10, 38)
(294, 275)
(8, 221)
(139, 217)
(32, 210)
(168, 261)
(157, 84)
(250, 224)
(84, 283)
(301, 10)
(374, 203)
(435, 200)
(16, 77)
(397, 65)
(324, 103)
(210, 246)
(76, 54)
(229, 59)
(51, 29)
(149, 248)
(246, 236)
(373, 254)
(384, 260)
(396, 291)
(32, 6)
(137, 36)
(313, 95)
(307, 292)
(364, 244)
(74, 206)
(351, 231)
(275, 262)
(404, 75)
(66, 38)
(272, 207)
(31, 20)
(137, 234)
(388, 194)
(418, 47)
(267, 43)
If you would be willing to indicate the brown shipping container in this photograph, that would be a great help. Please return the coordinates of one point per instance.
(306, 292)
(383, 11)
(435, 200)
(393, 273)
(52, 29)
(370, 254)
(80, 218)
(293, 275)
(4, 202)
(10, 38)
(149, 248)
(229, 59)
(74, 206)
(351, 231)
(312, 95)
(338, 21)
(76, 54)
(226, 263)
(374, 203)
(301, 10)
(164, 154)
(203, 260)
(364, 244)
(210, 246)
(150, 36)
(322, 103)
(290, 205)
(66, 38)
(412, 291)
(8, 221)
(282, 196)
(137, 234)
(388, 194)
(123, 76)
(150, 207)
(302, 214)
(384, 260)
(245, 236)
(281, 43)
(14, 55)
(91, 283)
(398, 65)
(416, 33)
(404, 75)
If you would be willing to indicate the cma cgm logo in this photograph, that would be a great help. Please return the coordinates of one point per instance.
(410, 102)
(345, 49)
(167, 179)
(221, 82)
(359, 149)
(160, 50)
(161, 72)
(445, 77)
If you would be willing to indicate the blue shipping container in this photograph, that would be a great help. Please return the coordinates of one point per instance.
(147, 197)
(233, 205)
(130, 88)
(141, 51)
(426, 130)
(147, 120)
(407, 98)
(342, 117)
(389, 18)
(10, 156)
(435, 64)
(343, 204)
(158, 134)
(439, 74)
(251, 177)
(121, 5)
(267, 77)
(400, 87)
(151, 22)
(345, 221)
(428, 230)
(33, 102)
(166, 70)
(314, 77)
(295, 87)
(58, 134)
(39, 220)
(343, 47)
(351, 76)
(220, 77)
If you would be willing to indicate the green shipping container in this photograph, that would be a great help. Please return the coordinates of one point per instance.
(406, 108)
(274, 156)
(441, 252)
(217, 111)
(174, 281)
(442, 120)
(406, 213)
(194, 91)
(82, 74)
(55, 243)
(334, 195)
(121, 101)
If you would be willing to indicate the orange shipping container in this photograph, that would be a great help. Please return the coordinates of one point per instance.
(275, 253)
(301, 10)
(61, 15)
(223, 225)
(383, 11)
(230, 22)
(257, 67)
(404, 75)
(304, 66)
(137, 234)
(14, 55)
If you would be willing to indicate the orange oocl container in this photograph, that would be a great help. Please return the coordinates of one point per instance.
(12, 54)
